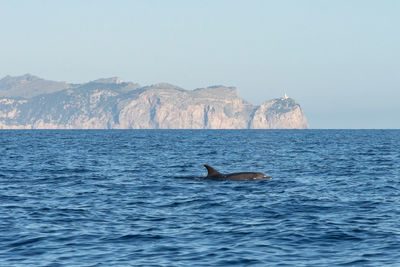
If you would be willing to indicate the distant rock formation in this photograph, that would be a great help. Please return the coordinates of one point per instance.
(116, 80)
(28, 102)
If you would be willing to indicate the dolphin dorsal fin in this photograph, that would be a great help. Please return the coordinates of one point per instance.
(211, 171)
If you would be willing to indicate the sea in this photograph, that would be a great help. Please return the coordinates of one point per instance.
(138, 198)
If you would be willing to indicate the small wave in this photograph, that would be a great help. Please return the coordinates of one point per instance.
(26, 241)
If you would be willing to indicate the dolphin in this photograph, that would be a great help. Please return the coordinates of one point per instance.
(239, 176)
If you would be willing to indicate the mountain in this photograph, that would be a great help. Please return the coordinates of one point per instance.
(113, 104)
(28, 86)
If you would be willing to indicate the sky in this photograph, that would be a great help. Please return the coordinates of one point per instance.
(340, 60)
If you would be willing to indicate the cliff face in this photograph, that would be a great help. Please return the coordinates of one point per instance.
(113, 104)
(279, 114)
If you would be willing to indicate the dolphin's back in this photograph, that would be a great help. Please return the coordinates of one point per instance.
(245, 176)
(239, 176)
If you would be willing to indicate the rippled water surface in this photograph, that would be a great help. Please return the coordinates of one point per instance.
(118, 198)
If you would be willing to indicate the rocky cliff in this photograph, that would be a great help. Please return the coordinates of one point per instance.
(34, 103)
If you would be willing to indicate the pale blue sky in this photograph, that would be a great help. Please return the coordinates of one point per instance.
(339, 59)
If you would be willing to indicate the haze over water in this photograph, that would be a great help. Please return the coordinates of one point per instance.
(101, 198)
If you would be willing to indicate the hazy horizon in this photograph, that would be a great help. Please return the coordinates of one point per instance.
(338, 59)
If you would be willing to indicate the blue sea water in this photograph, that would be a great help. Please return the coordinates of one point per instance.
(134, 198)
